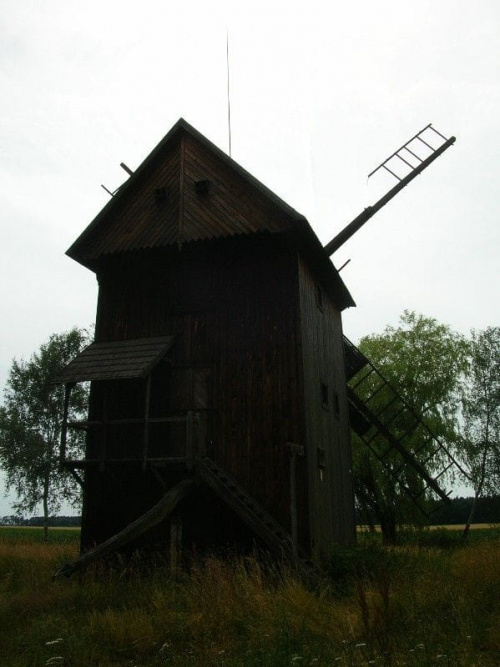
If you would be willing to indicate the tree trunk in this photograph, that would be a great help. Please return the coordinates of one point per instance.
(465, 534)
(46, 484)
(369, 521)
(388, 527)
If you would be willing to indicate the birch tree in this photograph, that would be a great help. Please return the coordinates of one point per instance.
(30, 427)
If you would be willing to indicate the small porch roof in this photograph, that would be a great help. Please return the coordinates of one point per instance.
(116, 360)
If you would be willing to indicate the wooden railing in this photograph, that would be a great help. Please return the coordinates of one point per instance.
(190, 418)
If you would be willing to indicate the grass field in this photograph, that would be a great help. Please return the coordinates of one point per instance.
(409, 605)
(35, 534)
(455, 526)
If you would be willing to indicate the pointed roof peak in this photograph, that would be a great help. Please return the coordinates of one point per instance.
(210, 163)
(188, 189)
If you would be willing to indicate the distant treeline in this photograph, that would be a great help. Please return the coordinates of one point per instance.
(456, 512)
(54, 521)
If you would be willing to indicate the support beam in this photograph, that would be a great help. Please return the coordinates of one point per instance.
(68, 387)
(104, 432)
(76, 476)
(145, 444)
(190, 440)
(294, 451)
(135, 529)
(175, 544)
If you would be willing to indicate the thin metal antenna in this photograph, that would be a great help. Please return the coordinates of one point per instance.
(228, 92)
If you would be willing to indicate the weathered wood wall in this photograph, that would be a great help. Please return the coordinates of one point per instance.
(326, 418)
(233, 306)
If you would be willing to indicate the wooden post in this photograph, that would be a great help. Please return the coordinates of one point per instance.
(102, 462)
(175, 544)
(294, 451)
(189, 440)
(196, 437)
(145, 444)
(68, 387)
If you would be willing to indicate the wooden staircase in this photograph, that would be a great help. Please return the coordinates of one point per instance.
(387, 424)
(248, 509)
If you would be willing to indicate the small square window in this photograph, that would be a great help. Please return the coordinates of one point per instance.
(161, 195)
(202, 187)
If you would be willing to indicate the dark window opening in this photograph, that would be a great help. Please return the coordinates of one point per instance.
(321, 460)
(202, 187)
(336, 404)
(161, 195)
(324, 396)
(319, 297)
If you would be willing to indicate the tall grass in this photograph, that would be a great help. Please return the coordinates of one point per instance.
(407, 605)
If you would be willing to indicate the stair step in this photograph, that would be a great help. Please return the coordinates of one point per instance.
(254, 510)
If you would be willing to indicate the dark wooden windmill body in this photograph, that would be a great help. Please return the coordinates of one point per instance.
(218, 356)
(222, 388)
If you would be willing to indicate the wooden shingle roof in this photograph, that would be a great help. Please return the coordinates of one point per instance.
(188, 190)
(161, 203)
(116, 360)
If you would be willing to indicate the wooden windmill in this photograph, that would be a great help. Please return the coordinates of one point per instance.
(219, 369)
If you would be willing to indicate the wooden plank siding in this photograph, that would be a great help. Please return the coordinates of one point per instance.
(139, 220)
(331, 501)
(232, 306)
(232, 206)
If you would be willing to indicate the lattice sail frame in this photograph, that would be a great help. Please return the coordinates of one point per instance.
(386, 423)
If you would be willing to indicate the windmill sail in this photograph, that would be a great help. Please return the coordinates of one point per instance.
(393, 431)
(404, 154)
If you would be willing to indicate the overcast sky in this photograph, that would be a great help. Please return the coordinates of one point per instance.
(321, 93)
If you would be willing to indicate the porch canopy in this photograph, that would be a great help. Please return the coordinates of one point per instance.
(116, 360)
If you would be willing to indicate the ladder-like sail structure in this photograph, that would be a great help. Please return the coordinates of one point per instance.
(394, 432)
(408, 155)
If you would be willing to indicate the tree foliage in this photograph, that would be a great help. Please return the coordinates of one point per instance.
(423, 360)
(480, 444)
(30, 426)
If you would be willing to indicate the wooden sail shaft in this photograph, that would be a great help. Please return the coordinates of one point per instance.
(370, 211)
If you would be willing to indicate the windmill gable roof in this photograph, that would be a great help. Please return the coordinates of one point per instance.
(188, 190)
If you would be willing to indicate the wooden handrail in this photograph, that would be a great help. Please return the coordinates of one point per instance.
(114, 422)
(190, 418)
